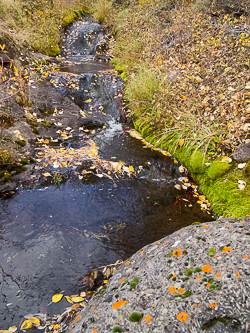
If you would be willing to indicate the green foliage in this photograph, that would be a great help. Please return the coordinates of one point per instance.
(218, 169)
(135, 317)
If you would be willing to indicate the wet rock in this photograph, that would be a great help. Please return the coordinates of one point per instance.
(88, 37)
(242, 154)
(91, 123)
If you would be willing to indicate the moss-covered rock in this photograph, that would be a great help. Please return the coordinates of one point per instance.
(218, 169)
(197, 162)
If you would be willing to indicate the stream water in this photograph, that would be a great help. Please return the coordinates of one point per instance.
(53, 234)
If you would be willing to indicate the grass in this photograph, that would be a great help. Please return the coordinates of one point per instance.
(39, 24)
(186, 73)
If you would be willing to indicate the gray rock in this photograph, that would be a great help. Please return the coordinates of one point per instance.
(242, 154)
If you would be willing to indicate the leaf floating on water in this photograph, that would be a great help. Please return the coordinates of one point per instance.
(47, 174)
(56, 298)
(178, 186)
(12, 329)
(77, 299)
(69, 299)
(26, 324)
(181, 168)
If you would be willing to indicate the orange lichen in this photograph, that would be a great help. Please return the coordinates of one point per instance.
(243, 222)
(118, 304)
(180, 291)
(127, 262)
(156, 241)
(205, 226)
(218, 274)
(94, 331)
(122, 280)
(238, 274)
(216, 256)
(207, 286)
(174, 275)
(246, 257)
(164, 243)
(198, 277)
(172, 289)
(177, 253)
(148, 318)
(213, 305)
(207, 269)
(183, 316)
(226, 249)
(142, 251)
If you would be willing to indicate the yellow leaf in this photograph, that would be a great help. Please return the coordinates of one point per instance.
(34, 320)
(56, 298)
(77, 299)
(181, 143)
(175, 161)
(12, 329)
(69, 299)
(184, 97)
(131, 168)
(26, 324)
(5, 331)
(56, 326)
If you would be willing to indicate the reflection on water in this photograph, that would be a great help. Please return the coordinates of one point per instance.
(51, 237)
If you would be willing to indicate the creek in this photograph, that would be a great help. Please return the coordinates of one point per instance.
(53, 233)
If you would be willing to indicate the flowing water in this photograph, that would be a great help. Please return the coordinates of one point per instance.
(53, 234)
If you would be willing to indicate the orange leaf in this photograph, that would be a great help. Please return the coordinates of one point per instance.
(180, 291)
(118, 304)
(226, 249)
(238, 274)
(122, 280)
(218, 275)
(181, 143)
(172, 289)
(148, 318)
(183, 316)
(207, 269)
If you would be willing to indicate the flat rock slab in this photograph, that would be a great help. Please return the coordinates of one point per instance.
(242, 154)
(195, 280)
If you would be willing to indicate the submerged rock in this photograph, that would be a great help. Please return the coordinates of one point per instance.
(242, 154)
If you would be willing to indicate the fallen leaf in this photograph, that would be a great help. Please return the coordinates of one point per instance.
(77, 299)
(181, 168)
(47, 174)
(181, 143)
(12, 329)
(178, 186)
(56, 298)
(26, 324)
(241, 165)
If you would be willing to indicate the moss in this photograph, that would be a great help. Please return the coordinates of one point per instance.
(35, 131)
(124, 77)
(218, 169)
(189, 271)
(135, 317)
(196, 223)
(46, 123)
(117, 329)
(186, 294)
(197, 269)
(133, 285)
(7, 176)
(24, 161)
(31, 160)
(185, 279)
(21, 143)
(211, 252)
(136, 279)
(212, 287)
(246, 170)
(119, 68)
(113, 61)
(169, 254)
(197, 162)
(124, 283)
